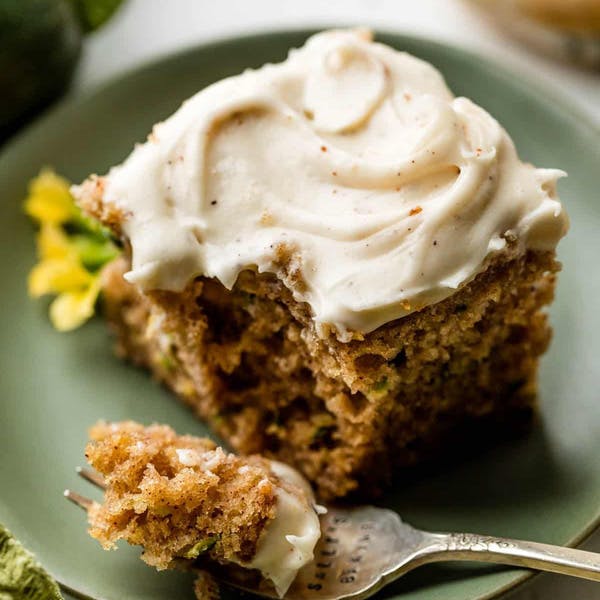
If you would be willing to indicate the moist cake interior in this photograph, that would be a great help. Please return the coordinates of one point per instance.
(347, 415)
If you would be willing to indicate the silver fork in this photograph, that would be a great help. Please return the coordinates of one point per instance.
(362, 549)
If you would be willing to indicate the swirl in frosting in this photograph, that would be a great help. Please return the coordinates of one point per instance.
(384, 191)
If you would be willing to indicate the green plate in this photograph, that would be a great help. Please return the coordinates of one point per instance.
(545, 487)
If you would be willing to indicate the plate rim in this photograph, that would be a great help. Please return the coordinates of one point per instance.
(548, 94)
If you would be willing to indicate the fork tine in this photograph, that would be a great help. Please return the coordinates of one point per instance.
(78, 499)
(91, 476)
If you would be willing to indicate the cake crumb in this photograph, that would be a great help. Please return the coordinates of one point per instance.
(155, 478)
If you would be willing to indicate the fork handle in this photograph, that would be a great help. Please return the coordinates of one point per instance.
(544, 557)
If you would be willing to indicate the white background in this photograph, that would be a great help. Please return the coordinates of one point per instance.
(146, 29)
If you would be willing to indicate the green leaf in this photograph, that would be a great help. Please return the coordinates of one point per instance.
(92, 252)
(94, 13)
(81, 223)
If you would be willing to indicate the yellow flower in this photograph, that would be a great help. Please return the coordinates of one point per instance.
(71, 309)
(52, 242)
(49, 199)
(57, 275)
(71, 249)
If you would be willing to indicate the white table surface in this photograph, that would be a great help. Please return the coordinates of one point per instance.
(146, 29)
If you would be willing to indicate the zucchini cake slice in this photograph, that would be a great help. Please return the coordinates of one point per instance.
(186, 501)
(334, 261)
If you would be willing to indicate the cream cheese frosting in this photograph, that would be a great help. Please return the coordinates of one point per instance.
(354, 161)
(288, 542)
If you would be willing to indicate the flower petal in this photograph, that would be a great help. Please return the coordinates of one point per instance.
(49, 198)
(52, 242)
(69, 310)
(56, 275)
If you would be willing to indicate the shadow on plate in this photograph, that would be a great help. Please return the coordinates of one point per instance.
(481, 474)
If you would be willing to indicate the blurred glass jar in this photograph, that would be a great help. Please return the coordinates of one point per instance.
(569, 29)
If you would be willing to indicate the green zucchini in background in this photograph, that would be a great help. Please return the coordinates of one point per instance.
(40, 44)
